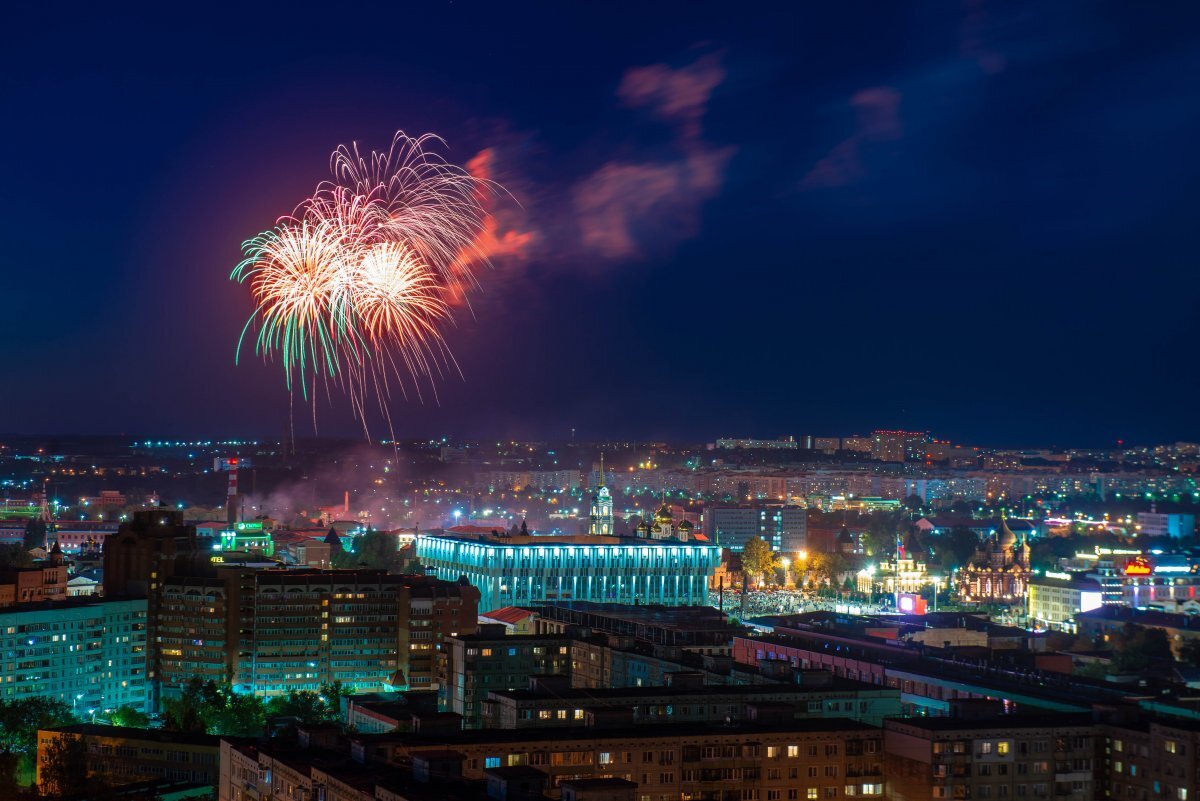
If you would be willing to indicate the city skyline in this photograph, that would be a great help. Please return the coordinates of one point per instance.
(971, 222)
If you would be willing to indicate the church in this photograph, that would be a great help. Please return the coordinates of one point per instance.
(600, 521)
(999, 570)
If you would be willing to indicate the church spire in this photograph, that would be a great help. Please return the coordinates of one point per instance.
(601, 468)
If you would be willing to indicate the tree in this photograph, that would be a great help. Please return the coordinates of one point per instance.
(65, 769)
(757, 558)
(19, 724)
(879, 539)
(1189, 652)
(828, 567)
(1134, 647)
(306, 706)
(961, 544)
(913, 503)
(14, 556)
(128, 716)
(211, 708)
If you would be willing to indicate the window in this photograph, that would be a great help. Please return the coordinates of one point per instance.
(491, 762)
(793, 751)
(813, 792)
(605, 758)
(1002, 748)
(985, 748)
(1171, 746)
(772, 751)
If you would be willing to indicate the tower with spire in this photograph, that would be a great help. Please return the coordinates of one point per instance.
(600, 521)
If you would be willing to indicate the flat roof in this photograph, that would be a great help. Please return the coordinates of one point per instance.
(132, 733)
(942, 724)
(745, 690)
(647, 731)
(559, 540)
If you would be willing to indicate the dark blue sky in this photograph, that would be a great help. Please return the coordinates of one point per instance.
(971, 217)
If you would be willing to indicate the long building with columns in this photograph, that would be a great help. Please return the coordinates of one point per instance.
(520, 570)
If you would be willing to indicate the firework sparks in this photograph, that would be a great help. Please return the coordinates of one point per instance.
(354, 288)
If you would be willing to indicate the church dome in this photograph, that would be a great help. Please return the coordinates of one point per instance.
(685, 526)
(1007, 538)
(663, 515)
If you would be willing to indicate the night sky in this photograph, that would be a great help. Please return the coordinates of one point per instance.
(977, 218)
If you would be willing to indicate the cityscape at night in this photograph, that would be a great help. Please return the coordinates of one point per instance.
(556, 402)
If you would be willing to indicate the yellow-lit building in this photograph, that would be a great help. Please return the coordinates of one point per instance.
(122, 755)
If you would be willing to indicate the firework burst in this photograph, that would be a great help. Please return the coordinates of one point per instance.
(354, 288)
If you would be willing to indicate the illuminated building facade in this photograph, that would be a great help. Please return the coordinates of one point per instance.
(249, 536)
(998, 572)
(520, 570)
(273, 631)
(894, 575)
(1056, 598)
(89, 654)
(600, 522)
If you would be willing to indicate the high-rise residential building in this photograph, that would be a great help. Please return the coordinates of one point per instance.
(489, 660)
(785, 528)
(782, 444)
(828, 445)
(995, 757)
(518, 570)
(898, 446)
(89, 653)
(768, 758)
(272, 631)
(1161, 524)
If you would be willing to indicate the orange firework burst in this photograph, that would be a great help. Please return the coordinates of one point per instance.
(355, 285)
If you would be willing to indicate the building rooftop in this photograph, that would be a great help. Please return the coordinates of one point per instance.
(651, 731)
(747, 691)
(131, 733)
(1042, 722)
(550, 540)
(1146, 617)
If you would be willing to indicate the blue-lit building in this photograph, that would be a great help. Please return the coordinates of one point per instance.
(89, 654)
(512, 571)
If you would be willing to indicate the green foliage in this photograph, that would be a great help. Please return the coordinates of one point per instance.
(826, 567)
(879, 538)
(306, 706)
(1189, 652)
(20, 721)
(1135, 646)
(372, 549)
(758, 559)
(959, 545)
(211, 708)
(14, 556)
(9, 765)
(128, 716)
(64, 772)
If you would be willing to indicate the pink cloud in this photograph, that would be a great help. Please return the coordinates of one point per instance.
(680, 95)
(499, 241)
(878, 111)
(664, 197)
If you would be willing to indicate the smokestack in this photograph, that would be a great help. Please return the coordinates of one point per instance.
(346, 504)
(232, 497)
